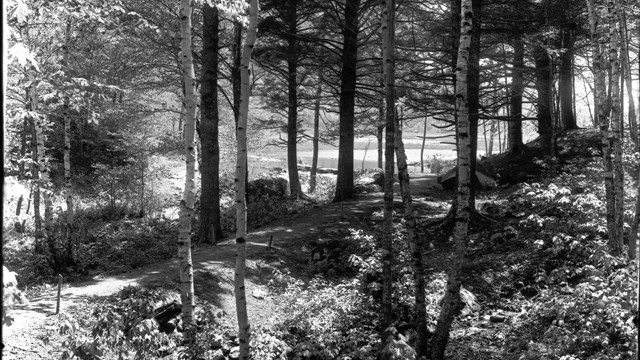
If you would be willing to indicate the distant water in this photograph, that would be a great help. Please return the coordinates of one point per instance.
(329, 159)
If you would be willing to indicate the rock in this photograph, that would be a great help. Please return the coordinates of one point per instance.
(259, 294)
(325, 250)
(214, 355)
(327, 171)
(529, 292)
(167, 316)
(88, 351)
(491, 208)
(273, 187)
(495, 237)
(217, 343)
(234, 353)
(370, 182)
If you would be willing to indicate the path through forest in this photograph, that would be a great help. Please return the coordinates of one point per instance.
(213, 268)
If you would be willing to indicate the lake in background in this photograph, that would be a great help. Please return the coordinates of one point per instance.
(363, 157)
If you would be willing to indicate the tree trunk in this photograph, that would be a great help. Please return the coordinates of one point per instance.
(386, 243)
(210, 227)
(188, 197)
(633, 123)
(565, 85)
(492, 135)
(515, 122)
(451, 299)
(344, 181)
(424, 139)
(292, 89)
(23, 148)
(415, 244)
(67, 148)
(316, 136)
(633, 234)
(380, 135)
(473, 95)
(236, 48)
(544, 79)
(600, 73)
(616, 128)
(241, 184)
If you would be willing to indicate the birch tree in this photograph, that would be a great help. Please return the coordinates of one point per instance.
(624, 41)
(188, 196)
(415, 244)
(386, 242)
(21, 52)
(241, 183)
(616, 127)
(451, 299)
(394, 144)
(67, 144)
(599, 39)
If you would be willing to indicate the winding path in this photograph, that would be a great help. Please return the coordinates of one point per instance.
(213, 271)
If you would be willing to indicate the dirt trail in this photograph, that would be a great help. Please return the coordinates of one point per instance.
(213, 270)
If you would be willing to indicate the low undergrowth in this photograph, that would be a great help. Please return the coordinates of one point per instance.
(587, 298)
(108, 236)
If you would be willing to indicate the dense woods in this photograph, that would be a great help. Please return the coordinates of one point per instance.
(248, 180)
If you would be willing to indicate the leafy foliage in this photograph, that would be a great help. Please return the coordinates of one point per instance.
(588, 298)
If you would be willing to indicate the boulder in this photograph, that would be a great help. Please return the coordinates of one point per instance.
(370, 182)
(272, 186)
(167, 316)
(449, 179)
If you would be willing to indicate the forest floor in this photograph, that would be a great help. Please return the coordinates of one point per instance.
(502, 274)
(214, 267)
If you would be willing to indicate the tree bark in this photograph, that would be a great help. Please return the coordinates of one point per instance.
(292, 87)
(544, 79)
(316, 136)
(380, 135)
(565, 85)
(386, 243)
(473, 94)
(188, 196)
(600, 72)
(424, 139)
(235, 79)
(633, 234)
(616, 127)
(38, 168)
(344, 182)
(415, 244)
(210, 227)
(515, 122)
(244, 328)
(67, 148)
(451, 299)
(633, 123)
(492, 135)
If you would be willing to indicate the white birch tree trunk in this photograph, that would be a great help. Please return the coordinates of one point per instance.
(599, 40)
(386, 243)
(624, 42)
(452, 295)
(38, 145)
(67, 146)
(244, 327)
(616, 126)
(188, 196)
